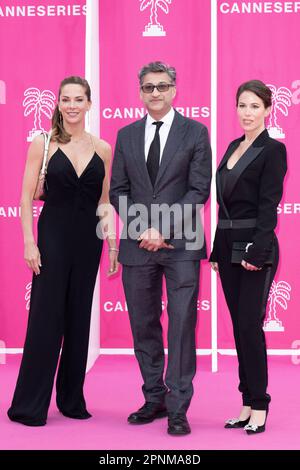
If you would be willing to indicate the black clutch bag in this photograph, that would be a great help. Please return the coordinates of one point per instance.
(239, 249)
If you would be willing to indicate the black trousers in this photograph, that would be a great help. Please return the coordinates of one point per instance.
(246, 294)
(143, 290)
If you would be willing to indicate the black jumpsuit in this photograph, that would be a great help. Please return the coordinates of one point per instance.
(62, 294)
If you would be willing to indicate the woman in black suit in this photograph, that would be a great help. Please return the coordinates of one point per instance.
(249, 186)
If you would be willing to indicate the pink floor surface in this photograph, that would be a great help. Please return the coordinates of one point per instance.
(113, 390)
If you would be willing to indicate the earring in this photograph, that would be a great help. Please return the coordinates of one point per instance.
(60, 119)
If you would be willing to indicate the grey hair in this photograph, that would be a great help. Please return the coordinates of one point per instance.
(157, 67)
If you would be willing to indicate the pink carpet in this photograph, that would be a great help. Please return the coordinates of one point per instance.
(113, 391)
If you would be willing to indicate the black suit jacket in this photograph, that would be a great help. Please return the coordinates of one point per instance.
(253, 190)
(184, 178)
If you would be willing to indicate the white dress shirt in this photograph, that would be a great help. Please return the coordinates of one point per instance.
(163, 131)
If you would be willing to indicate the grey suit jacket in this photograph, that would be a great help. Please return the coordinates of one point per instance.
(183, 179)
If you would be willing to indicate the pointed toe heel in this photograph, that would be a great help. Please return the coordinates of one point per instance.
(255, 428)
(235, 423)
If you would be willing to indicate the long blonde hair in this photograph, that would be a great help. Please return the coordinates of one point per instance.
(59, 134)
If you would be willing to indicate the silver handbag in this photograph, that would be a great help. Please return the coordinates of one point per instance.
(40, 190)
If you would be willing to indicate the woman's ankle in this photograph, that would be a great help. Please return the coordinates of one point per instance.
(245, 413)
(258, 417)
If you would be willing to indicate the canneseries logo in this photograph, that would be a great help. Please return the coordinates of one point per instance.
(154, 28)
(21, 10)
(120, 307)
(279, 295)
(36, 104)
(264, 7)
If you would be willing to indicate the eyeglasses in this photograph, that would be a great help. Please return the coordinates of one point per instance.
(161, 87)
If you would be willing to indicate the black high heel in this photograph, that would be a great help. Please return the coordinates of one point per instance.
(235, 423)
(254, 428)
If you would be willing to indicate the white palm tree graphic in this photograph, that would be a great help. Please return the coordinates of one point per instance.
(281, 100)
(39, 103)
(155, 4)
(279, 294)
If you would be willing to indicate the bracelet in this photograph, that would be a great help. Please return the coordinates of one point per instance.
(113, 249)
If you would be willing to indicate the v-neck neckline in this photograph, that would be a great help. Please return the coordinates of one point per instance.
(230, 169)
(69, 160)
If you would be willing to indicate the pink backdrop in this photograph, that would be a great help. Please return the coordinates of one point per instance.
(123, 51)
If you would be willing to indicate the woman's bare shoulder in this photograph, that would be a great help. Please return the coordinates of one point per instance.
(38, 141)
(36, 148)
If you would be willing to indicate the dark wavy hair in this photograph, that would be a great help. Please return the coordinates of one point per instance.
(258, 88)
(59, 134)
(157, 67)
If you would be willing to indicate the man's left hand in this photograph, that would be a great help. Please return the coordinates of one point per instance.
(152, 240)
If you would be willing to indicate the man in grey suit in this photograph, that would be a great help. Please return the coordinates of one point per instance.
(160, 177)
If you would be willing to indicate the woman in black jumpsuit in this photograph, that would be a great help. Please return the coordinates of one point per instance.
(65, 262)
(249, 185)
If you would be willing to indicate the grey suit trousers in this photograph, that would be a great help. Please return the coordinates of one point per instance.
(143, 290)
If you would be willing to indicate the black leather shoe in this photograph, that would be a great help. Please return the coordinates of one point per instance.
(148, 413)
(235, 423)
(178, 424)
